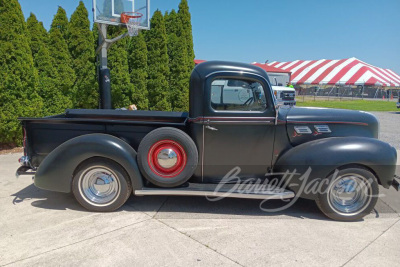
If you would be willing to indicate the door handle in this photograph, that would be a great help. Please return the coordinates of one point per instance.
(211, 128)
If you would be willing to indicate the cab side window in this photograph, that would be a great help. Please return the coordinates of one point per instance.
(237, 95)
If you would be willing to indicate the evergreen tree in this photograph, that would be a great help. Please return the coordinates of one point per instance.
(60, 22)
(178, 63)
(137, 51)
(54, 100)
(43, 33)
(62, 62)
(186, 19)
(48, 88)
(158, 68)
(83, 55)
(95, 34)
(122, 90)
(36, 33)
(18, 83)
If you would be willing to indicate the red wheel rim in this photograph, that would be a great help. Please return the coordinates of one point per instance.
(162, 171)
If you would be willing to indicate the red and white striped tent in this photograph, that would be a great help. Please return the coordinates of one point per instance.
(351, 71)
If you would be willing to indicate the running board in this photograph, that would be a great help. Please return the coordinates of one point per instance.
(210, 190)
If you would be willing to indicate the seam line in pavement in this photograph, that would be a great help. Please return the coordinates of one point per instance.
(373, 241)
(77, 242)
(394, 211)
(197, 241)
(162, 205)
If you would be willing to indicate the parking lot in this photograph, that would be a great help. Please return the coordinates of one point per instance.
(45, 228)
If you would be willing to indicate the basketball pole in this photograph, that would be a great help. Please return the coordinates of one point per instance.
(103, 70)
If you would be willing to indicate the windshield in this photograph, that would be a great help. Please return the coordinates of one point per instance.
(278, 79)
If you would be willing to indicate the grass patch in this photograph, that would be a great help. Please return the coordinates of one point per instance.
(365, 105)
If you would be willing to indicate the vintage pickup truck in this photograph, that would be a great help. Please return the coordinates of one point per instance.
(229, 138)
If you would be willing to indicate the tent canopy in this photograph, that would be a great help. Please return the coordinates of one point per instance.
(351, 71)
(268, 68)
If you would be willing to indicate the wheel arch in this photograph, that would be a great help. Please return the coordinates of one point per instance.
(56, 171)
(356, 165)
(324, 156)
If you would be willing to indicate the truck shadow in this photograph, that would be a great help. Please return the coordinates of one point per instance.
(174, 207)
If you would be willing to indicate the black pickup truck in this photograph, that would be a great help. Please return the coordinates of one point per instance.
(230, 137)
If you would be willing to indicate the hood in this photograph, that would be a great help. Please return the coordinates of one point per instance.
(283, 88)
(307, 124)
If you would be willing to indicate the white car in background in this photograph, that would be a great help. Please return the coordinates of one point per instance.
(285, 96)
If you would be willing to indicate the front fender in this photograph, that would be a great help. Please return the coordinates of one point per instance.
(56, 170)
(326, 155)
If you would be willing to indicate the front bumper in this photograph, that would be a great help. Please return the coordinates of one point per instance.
(287, 102)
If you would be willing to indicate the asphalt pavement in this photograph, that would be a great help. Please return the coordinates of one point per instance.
(41, 228)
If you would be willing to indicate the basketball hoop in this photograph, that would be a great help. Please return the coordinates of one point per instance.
(132, 21)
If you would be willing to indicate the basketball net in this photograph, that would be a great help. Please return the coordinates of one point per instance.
(133, 26)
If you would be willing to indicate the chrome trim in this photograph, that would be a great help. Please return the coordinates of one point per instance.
(202, 156)
(205, 193)
(99, 186)
(211, 128)
(277, 107)
(322, 128)
(349, 194)
(302, 129)
(242, 122)
(167, 158)
(208, 120)
(24, 161)
(24, 170)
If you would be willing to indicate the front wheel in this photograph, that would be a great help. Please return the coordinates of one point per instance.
(351, 195)
(101, 185)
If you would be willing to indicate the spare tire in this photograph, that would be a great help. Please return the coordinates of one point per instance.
(167, 157)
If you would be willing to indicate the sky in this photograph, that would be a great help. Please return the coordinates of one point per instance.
(284, 30)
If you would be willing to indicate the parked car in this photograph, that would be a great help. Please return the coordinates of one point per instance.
(284, 95)
(398, 103)
(234, 127)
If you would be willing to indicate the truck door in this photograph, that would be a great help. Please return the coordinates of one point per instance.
(238, 127)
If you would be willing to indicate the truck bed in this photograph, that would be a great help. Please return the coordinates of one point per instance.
(43, 135)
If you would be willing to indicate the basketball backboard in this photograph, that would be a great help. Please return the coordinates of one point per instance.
(109, 11)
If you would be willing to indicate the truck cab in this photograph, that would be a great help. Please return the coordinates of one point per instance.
(234, 135)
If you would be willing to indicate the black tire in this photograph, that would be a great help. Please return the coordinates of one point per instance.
(369, 195)
(106, 173)
(181, 143)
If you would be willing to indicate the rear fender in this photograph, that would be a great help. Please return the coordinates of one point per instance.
(324, 156)
(56, 171)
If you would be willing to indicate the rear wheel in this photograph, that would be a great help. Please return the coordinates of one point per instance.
(101, 185)
(167, 157)
(351, 195)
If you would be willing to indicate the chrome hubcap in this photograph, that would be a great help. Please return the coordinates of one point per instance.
(167, 158)
(349, 194)
(99, 186)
